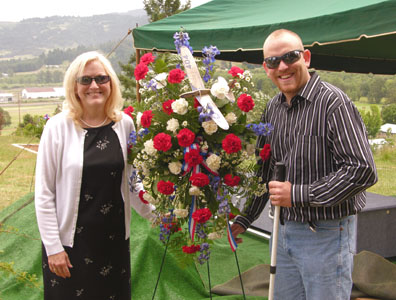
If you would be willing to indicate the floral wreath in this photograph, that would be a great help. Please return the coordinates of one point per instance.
(190, 167)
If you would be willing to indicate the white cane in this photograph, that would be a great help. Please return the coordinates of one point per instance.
(280, 175)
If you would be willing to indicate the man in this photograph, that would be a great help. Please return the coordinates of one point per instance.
(319, 135)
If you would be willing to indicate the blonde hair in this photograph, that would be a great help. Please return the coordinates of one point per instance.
(72, 104)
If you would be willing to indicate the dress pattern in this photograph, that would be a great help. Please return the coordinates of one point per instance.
(100, 255)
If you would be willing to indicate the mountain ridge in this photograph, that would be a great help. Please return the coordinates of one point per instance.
(33, 36)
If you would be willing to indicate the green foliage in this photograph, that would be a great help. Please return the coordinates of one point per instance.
(388, 113)
(5, 118)
(127, 80)
(356, 86)
(159, 9)
(390, 90)
(31, 126)
(372, 120)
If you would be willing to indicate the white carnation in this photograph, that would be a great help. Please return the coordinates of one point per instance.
(149, 147)
(160, 80)
(210, 127)
(149, 198)
(250, 149)
(214, 235)
(231, 118)
(180, 212)
(175, 167)
(213, 162)
(138, 118)
(194, 191)
(185, 124)
(180, 106)
(172, 125)
(220, 88)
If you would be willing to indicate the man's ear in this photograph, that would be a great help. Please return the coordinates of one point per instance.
(307, 57)
(265, 67)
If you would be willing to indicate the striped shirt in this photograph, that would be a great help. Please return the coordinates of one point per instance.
(322, 140)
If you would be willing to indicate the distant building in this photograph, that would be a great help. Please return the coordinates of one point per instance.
(36, 93)
(391, 128)
(6, 97)
(377, 142)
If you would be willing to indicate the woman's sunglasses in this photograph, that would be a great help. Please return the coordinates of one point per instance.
(288, 58)
(86, 80)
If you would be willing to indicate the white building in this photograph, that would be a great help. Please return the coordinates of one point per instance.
(388, 128)
(6, 97)
(35, 93)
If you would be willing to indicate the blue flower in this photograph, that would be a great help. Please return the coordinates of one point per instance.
(261, 128)
(132, 139)
(208, 60)
(181, 39)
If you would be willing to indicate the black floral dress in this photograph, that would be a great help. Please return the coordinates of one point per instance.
(100, 255)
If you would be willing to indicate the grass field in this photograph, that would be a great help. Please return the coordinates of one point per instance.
(17, 113)
(17, 180)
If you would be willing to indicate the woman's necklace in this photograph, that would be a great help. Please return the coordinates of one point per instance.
(94, 126)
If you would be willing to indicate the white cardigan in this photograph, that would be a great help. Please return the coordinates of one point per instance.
(59, 169)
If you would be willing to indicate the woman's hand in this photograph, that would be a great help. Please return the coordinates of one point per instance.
(59, 264)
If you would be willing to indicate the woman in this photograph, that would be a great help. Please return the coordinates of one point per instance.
(82, 194)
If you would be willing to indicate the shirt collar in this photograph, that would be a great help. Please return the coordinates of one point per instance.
(307, 92)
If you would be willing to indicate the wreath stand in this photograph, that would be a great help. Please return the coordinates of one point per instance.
(207, 263)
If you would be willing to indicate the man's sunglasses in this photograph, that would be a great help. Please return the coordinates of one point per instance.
(288, 58)
(86, 80)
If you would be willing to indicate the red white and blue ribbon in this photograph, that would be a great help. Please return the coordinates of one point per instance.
(191, 222)
(230, 237)
(187, 168)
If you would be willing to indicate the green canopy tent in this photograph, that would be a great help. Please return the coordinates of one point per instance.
(343, 35)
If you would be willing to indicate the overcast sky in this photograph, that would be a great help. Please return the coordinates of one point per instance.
(17, 10)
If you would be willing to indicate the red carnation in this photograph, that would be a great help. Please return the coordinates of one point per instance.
(231, 181)
(176, 76)
(231, 143)
(199, 179)
(202, 215)
(147, 58)
(141, 193)
(265, 153)
(129, 110)
(162, 142)
(172, 226)
(165, 187)
(185, 137)
(146, 118)
(234, 71)
(191, 249)
(193, 157)
(231, 216)
(245, 102)
(141, 71)
(167, 106)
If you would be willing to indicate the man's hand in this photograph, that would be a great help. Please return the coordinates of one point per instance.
(280, 193)
(59, 264)
(235, 230)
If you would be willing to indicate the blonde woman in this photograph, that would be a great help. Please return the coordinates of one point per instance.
(83, 197)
